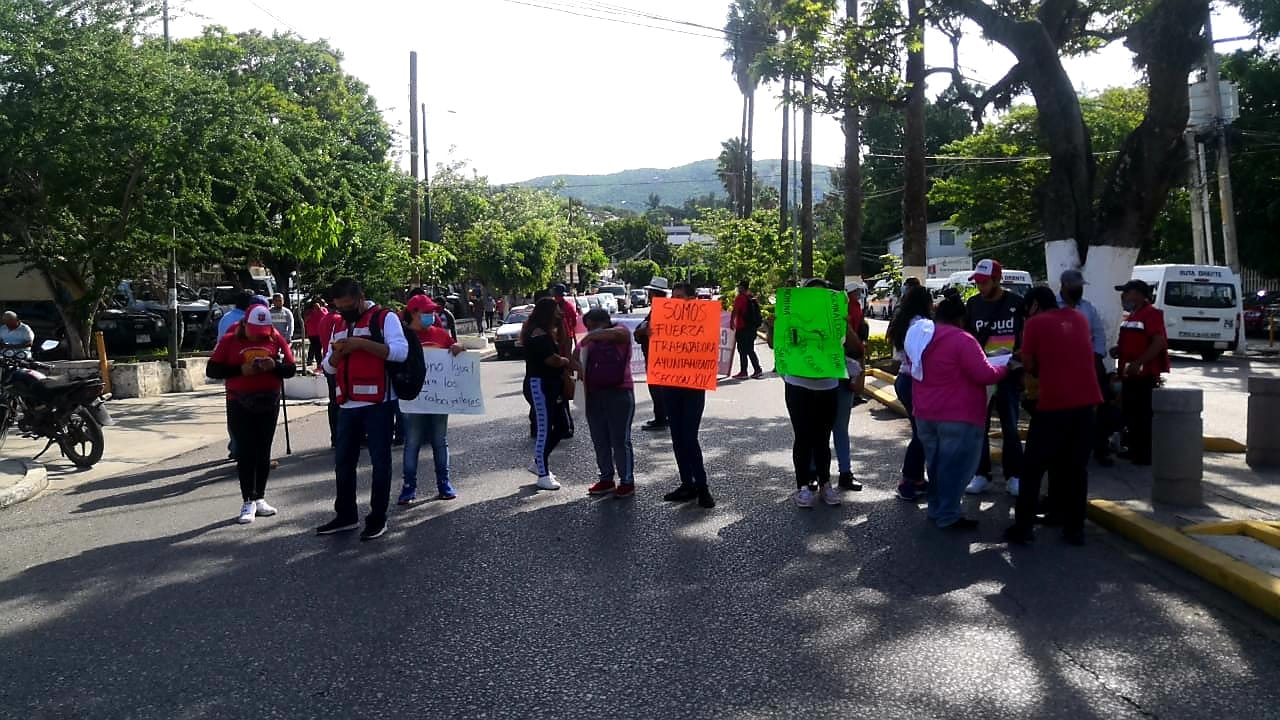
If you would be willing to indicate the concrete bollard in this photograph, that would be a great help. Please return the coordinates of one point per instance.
(1177, 446)
(1263, 440)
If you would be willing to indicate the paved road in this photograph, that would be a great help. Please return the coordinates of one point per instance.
(136, 597)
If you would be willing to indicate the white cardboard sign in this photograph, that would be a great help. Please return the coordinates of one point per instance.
(452, 386)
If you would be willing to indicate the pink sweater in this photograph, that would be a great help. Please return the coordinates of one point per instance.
(956, 376)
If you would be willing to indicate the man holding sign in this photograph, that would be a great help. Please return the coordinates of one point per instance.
(809, 343)
(684, 350)
(420, 425)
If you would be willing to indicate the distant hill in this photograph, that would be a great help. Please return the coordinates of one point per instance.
(630, 189)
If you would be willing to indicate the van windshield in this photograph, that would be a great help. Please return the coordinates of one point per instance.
(1217, 296)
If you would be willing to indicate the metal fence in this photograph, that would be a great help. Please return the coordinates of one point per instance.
(1251, 281)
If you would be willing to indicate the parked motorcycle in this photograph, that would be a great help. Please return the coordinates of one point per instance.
(69, 413)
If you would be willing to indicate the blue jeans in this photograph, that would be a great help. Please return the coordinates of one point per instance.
(610, 413)
(419, 429)
(354, 424)
(1007, 403)
(684, 413)
(951, 450)
(840, 433)
(913, 461)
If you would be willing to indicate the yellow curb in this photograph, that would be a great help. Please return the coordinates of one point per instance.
(1227, 527)
(1223, 445)
(882, 375)
(1250, 584)
(1266, 532)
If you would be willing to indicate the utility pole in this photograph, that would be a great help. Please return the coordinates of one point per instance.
(1202, 178)
(1195, 186)
(1230, 251)
(806, 181)
(175, 318)
(852, 172)
(915, 209)
(426, 181)
(415, 202)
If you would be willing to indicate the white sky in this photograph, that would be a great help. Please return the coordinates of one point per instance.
(535, 92)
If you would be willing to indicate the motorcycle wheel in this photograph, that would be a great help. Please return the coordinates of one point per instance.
(83, 442)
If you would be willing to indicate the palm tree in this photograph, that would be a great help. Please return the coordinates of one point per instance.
(730, 167)
(749, 31)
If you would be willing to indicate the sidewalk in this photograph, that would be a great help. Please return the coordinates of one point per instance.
(146, 431)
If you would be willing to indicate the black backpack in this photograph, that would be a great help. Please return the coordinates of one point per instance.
(755, 318)
(406, 377)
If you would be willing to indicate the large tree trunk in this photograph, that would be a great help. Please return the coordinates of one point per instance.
(784, 192)
(749, 197)
(806, 183)
(915, 208)
(741, 183)
(852, 174)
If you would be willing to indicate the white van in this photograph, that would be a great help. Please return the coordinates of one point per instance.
(1202, 304)
(1018, 281)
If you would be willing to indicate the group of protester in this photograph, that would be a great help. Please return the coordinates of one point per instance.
(1003, 353)
(960, 363)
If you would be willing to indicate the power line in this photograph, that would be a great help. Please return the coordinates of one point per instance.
(576, 12)
(275, 17)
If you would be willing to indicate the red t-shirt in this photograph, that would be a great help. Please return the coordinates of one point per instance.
(326, 330)
(1063, 350)
(234, 350)
(741, 304)
(435, 336)
(1136, 333)
(569, 309)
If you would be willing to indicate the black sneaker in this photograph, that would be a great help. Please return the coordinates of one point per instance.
(849, 482)
(684, 493)
(373, 529)
(654, 425)
(704, 498)
(963, 523)
(337, 525)
(1018, 535)
(1073, 537)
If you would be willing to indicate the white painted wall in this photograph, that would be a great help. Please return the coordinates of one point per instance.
(1107, 267)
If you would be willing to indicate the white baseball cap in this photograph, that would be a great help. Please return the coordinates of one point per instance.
(258, 316)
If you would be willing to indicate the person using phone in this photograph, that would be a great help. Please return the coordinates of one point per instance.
(254, 360)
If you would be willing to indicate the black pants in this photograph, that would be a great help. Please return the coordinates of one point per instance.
(551, 418)
(659, 402)
(684, 413)
(813, 414)
(1103, 425)
(1058, 441)
(333, 409)
(313, 350)
(253, 431)
(746, 340)
(488, 319)
(1135, 402)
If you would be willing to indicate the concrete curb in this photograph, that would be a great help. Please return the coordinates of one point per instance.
(1250, 584)
(34, 482)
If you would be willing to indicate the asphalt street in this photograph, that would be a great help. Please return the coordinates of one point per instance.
(138, 597)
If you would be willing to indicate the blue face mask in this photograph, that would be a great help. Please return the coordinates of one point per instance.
(427, 320)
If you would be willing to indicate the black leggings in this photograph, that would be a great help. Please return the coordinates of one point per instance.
(746, 342)
(551, 418)
(253, 432)
(313, 350)
(813, 415)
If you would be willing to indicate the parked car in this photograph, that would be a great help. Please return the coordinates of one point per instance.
(198, 326)
(621, 298)
(1257, 309)
(608, 301)
(126, 331)
(639, 299)
(507, 340)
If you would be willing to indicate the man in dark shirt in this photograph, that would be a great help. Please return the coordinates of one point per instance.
(994, 317)
(659, 421)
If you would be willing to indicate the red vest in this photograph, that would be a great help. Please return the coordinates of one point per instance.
(361, 377)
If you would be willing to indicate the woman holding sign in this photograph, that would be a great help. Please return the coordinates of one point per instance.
(544, 373)
(420, 427)
(811, 405)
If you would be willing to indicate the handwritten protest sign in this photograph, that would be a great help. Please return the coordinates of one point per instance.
(684, 345)
(727, 343)
(452, 386)
(808, 336)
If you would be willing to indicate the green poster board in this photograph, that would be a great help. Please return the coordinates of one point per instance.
(808, 335)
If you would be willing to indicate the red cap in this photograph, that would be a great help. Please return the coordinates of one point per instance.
(421, 304)
(987, 270)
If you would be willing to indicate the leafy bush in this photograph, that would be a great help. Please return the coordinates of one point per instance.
(879, 348)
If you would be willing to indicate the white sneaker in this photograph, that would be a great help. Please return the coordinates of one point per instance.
(247, 511)
(265, 510)
(977, 485)
(805, 498)
(830, 495)
(1013, 485)
(548, 482)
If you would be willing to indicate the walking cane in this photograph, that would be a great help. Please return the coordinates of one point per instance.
(284, 408)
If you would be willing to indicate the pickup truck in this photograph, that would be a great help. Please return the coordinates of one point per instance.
(199, 322)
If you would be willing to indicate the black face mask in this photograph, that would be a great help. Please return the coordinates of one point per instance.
(351, 317)
(1073, 295)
